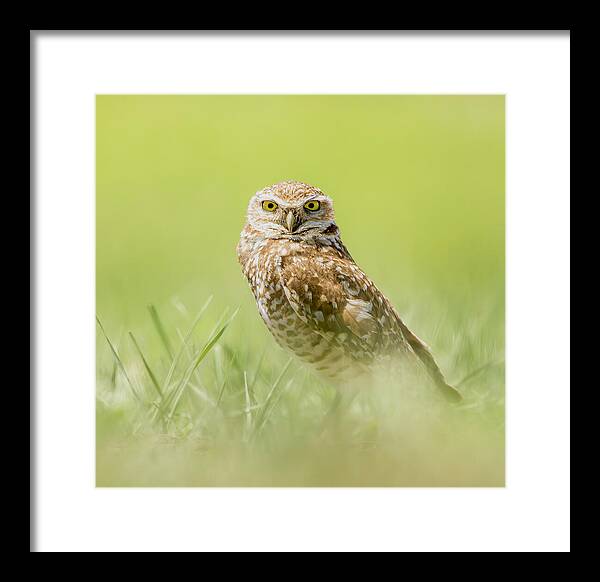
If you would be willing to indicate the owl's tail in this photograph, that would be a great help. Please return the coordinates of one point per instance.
(422, 351)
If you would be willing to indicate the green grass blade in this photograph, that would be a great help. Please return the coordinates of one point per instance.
(220, 321)
(179, 390)
(118, 360)
(256, 374)
(248, 406)
(161, 330)
(276, 400)
(221, 393)
(263, 415)
(478, 371)
(175, 396)
(202, 395)
(169, 394)
(184, 344)
(115, 366)
(146, 365)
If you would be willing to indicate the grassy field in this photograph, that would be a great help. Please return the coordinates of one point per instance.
(192, 390)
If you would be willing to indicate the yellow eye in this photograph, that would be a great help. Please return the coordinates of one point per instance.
(312, 205)
(269, 205)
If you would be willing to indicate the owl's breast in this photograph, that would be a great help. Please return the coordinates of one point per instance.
(292, 332)
(271, 300)
(261, 269)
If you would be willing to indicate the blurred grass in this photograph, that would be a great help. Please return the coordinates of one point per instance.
(418, 183)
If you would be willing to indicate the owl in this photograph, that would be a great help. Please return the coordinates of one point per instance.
(313, 297)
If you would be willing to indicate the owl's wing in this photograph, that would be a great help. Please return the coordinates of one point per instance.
(336, 299)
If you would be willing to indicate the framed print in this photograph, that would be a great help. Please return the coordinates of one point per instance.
(301, 291)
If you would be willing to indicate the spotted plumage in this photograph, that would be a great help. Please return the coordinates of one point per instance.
(311, 294)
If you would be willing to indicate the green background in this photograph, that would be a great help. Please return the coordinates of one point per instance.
(418, 186)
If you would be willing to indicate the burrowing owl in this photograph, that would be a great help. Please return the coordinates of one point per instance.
(311, 294)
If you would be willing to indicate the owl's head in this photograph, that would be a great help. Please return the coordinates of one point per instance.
(291, 210)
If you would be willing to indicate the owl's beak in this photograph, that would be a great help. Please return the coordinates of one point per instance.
(290, 220)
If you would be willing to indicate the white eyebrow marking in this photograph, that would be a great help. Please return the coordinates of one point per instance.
(263, 197)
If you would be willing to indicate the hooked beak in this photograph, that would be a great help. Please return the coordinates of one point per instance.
(290, 220)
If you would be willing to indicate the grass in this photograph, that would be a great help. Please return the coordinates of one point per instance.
(191, 388)
(215, 411)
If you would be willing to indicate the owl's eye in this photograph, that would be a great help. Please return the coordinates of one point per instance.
(269, 205)
(312, 205)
